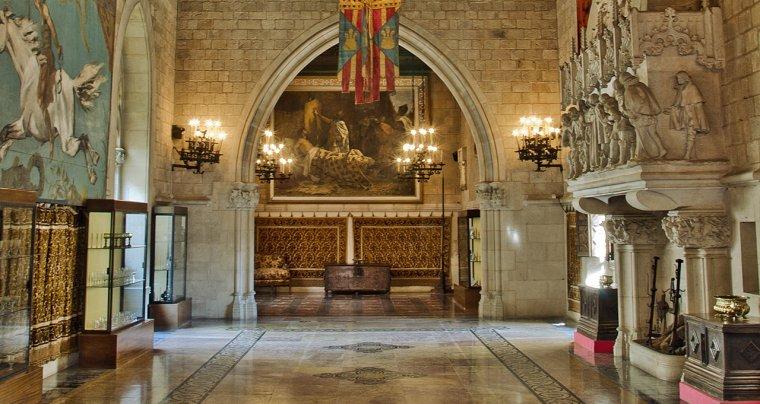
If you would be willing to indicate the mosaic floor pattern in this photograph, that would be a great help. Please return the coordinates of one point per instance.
(372, 360)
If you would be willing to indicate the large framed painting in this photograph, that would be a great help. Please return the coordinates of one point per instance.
(342, 152)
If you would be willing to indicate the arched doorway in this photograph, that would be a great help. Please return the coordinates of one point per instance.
(459, 82)
(132, 110)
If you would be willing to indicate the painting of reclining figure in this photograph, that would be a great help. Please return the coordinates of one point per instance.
(55, 96)
(344, 152)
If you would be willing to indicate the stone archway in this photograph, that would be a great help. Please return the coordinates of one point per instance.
(463, 87)
(130, 127)
(414, 38)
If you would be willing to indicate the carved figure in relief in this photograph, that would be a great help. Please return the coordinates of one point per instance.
(688, 112)
(624, 142)
(595, 134)
(642, 108)
(568, 140)
(581, 140)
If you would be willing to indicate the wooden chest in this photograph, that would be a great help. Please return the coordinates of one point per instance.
(599, 313)
(723, 356)
(357, 278)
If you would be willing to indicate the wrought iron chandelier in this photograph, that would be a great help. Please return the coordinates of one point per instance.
(271, 164)
(421, 157)
(536, 139)
(203, 147)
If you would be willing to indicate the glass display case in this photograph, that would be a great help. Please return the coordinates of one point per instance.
(116, 270)
(475, 250)
(17, 211)
(168, 276)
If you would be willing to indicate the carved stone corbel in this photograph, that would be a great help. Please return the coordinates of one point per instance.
(491, 195)
(634, 230)
(705, 231)
(243, 196)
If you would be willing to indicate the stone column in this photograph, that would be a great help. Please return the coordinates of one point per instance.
(243, 199)
(637, 239)
(491, 197)
(705, 239)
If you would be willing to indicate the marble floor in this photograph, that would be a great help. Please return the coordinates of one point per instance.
(392, 304)
(364, 359)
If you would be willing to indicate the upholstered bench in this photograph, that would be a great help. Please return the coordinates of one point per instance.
(270, 270)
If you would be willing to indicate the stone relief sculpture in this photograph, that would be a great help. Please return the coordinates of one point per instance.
(688, 112)
(612, 115)
(642, 108)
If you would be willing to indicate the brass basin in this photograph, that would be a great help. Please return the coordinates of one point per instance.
(731, 307)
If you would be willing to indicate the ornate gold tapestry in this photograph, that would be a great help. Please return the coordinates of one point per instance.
(410, 246)
(56, 283)
(573, 261)
(305, 243)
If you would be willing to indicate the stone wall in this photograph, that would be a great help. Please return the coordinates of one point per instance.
(741, 82)
(164, 22)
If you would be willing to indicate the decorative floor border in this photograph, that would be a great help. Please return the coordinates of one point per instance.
(543, 385)
(195, 388)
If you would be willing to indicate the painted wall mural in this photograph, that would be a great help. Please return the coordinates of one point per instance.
(54, 96)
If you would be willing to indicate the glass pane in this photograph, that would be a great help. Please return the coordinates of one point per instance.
(98, 270)
(162, 259)
(15, 269)
(128, 290)
(180, 252)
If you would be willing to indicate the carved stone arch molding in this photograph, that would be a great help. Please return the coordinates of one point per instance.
(281, 71)
(122, 21)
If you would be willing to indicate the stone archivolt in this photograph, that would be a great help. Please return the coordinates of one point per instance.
(698, 231)
(634, 230)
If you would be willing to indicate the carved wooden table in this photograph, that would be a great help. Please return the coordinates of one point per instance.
(723, 358)
(357, 278)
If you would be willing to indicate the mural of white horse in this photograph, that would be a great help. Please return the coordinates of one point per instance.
(44, 121)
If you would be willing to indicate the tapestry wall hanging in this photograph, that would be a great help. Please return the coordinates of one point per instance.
(55, 122)
(342, 152)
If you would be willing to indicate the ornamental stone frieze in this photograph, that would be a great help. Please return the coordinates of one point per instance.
(243, 196)
(491, 195)
(634, 230)
(706, 231)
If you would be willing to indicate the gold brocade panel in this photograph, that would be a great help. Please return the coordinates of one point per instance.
(56, 283)
(305, 243)
(573, 262)
(411, 246)
(14, 257)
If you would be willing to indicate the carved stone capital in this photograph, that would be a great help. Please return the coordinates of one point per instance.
(634, 230)
(491, 195)
(120, 156)
(705, 231)
(243, 196)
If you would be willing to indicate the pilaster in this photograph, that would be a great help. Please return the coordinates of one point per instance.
(637, 239)
(243, 199)
(492, 197)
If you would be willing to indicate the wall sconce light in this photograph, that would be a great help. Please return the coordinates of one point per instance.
(203, 147)
(535, 142)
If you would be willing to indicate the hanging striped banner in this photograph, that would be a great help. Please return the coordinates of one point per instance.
(353, 44)
(368, 47)
(385, 58)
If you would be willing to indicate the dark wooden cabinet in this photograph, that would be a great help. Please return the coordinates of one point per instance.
(723, 356)
(599, 313)
(357, 278)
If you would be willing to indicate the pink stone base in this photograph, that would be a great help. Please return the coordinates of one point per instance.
(595, 346)
(692, 395)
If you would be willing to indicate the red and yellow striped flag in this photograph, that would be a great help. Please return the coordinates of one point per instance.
(384, 45)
